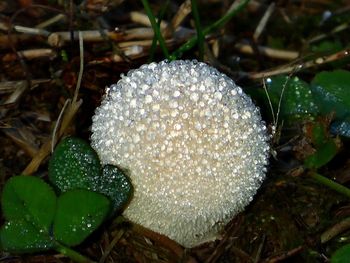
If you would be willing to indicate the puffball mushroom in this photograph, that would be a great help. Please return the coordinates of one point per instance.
(195, 146)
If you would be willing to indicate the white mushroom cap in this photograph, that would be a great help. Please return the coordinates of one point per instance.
(194, 143)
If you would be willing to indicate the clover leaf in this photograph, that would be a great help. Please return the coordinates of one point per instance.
(116, 186)
(28, 205)
(79, 212)
(341, 255)
(37, 220)
(297, 101)
(75, 165)
(331, 91)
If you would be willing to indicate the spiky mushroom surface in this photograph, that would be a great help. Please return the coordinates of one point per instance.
(194, 143)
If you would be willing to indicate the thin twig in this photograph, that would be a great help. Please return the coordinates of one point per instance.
(263, 21)
(302, 65)
(271, 107)
(31, 30)
(284, 86)
(59, 39)
(143, 19)
(336, 30)
(178, 18)
(267, 51)
(51, 21)
(31, 54)
(335, 230)
(58, 122)
(81, 68)
(111, 245)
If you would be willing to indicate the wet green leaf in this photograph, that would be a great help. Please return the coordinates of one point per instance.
(327, 46)
(319, 135)
(79, 213)
(342, 255)
(22, 236)
(276, 42)
(331, 91)
(30, 198)
(74, 164)
(322, 156)
(116, 185)
(297, 101)
(341, 128)
(28, 205)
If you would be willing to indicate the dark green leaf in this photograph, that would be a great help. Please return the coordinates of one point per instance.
(28, 205)
(342, 255)
(322, 156)
(116, 185)
(79, 213)
(297, 101)
(22, 236)
(331, 91)
(74, 164)
(341, 128)
(327, 47)
(29, 198)
(319, 136)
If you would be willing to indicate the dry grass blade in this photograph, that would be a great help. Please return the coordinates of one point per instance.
(268, 52)
(11, 86)
(262, 24)
(143, 19)
(111, 245)
(183, 11)
(165, 242)
(68, 116)
(308, 64)
(46, 148)
(21, 136)
(226, 243)
(31, 54)
(14, 97)
(335, 230)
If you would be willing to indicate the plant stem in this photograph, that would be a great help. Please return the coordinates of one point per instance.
(72, 254)
(154, 40)
(155, 27)
(200, 34)
(235, 9)
(331, 184)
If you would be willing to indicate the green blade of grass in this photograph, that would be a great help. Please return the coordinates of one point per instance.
(217, 24)
(155, 40)
(72, 254)
(331, 184)
(156, 28)
(200, 34)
